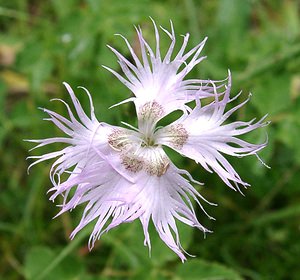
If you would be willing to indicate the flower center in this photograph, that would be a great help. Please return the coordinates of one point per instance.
(148, 141)
(174, 136)
(139, 150)
(148, 116)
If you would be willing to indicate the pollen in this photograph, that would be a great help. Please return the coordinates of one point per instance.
(132, 163)
(177, 135)
(157, 168)
(153, 161)
(153, 165)
(151, 111)
(118, 139)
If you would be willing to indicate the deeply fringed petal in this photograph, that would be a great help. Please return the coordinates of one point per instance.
(85, 134)
(107, 195)
(202, 136)
(161, 80)
(110, 199)
(166, 199)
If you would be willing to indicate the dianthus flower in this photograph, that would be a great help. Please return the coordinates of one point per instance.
(122, 174)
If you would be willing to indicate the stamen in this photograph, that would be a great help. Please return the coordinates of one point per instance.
(139, 150)
(175, 135)
(118, 139)
(132, 163)
(151, 111)
(158, 167)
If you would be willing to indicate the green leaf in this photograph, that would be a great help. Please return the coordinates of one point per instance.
(271, 95)
(63, 8)
(38, 258)
(4, 129)
(199, 269)
(128, 242)
(233, 16)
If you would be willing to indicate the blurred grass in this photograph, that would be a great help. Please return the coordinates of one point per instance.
(45, 43)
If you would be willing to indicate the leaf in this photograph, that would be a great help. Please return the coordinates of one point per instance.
(63, 8)
(128, 242)
(38, 259)
(288, 130)
(233, 16)
(200, 269)
(271, 96)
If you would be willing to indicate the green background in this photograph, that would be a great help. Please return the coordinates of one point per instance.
(43, 43)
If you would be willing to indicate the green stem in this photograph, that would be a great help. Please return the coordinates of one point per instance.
(65, 252)
(193, 22)
(274, 61)
(13, 14)
(277, 215)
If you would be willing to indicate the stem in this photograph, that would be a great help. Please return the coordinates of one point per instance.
(65, 252)
(275, 61)
(293, 211)
(193, 15)
(14, 14)
(192, 18)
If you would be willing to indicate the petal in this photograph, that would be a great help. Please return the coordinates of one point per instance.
(202, 136)
(86, 136)
(161, 80)
(165, 199)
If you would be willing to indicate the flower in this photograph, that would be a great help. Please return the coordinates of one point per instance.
(121, 174)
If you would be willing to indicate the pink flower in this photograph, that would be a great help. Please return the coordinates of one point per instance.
(122, 174)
